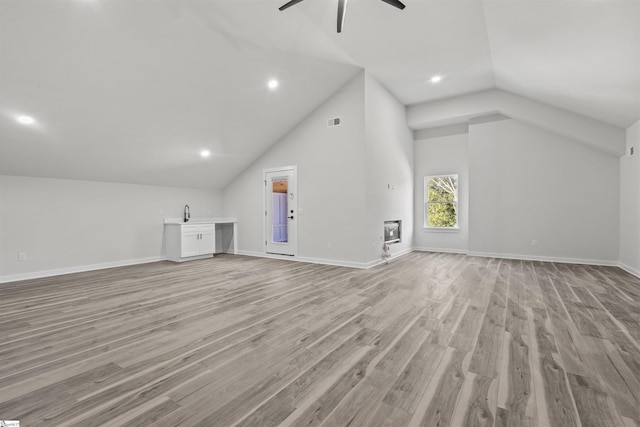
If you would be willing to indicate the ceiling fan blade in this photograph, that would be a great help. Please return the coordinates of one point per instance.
(342, 9)
(289, 4)
(395, 3)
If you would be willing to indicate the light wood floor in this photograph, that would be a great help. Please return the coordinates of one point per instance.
(429, 339)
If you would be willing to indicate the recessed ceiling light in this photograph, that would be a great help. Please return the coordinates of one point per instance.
(25, 120)
(205, 153)
(436, 79)
(272, 84)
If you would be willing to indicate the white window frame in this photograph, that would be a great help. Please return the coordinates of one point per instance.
(426, 203)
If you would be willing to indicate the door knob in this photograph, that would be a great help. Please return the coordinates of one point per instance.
(290, 217)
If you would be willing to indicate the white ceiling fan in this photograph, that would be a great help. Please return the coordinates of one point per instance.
(342, 7)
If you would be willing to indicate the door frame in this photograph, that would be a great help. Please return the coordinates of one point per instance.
(292, 205)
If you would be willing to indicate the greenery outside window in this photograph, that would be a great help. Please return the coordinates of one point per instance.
(441, 201)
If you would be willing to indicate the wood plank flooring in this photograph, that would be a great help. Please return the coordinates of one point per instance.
(426, 340)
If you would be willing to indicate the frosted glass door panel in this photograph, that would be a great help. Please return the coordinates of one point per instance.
(279, 206)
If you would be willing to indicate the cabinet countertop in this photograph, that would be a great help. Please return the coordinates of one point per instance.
(180, 221)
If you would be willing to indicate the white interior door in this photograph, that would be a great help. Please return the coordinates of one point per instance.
(280, 208)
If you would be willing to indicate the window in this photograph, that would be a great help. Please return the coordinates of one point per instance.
(441, 201)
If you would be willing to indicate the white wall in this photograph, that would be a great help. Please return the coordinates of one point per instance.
(630, 203)
(331, 183)
(442, 155)
(389, 155)
(517, 183)
(527, 184)
(344, 175)
(67, 225)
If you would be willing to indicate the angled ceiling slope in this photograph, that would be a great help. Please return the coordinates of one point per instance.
(582, 56)
(464, 109)
(133, 91)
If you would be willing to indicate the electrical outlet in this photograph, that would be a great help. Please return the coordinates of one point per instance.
(22, 256)
(328, 246)
(534, 243)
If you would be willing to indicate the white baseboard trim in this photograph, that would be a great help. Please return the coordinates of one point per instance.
(337, 263)
(442, 250)
(77, 269)
(629, 270)
(584, 261)
(391, 258)
(607, 263)
(324, 261)
(334, 262)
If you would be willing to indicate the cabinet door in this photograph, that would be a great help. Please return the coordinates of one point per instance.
(190, 245)
(207, 240)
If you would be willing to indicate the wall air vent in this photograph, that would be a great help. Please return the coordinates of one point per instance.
(334, 122)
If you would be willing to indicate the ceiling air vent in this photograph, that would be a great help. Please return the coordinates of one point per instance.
(333, 122)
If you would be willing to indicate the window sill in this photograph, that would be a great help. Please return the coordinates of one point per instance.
(441, 229)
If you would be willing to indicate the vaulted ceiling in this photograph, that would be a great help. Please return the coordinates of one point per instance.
(132, 91)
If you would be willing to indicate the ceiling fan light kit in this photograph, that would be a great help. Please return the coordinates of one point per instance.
(342, 8)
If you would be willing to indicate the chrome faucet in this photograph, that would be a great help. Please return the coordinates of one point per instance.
(187, 213)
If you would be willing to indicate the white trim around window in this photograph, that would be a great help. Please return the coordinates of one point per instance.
(441, 198)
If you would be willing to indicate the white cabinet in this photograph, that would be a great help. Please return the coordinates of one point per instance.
(190, 241)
